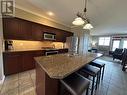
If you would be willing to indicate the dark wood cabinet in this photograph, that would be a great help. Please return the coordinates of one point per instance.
(19, 29)
(37, 32)
(25, 29)
(15, 62)
(11, 29)
(28, 61)
(12, 63)
(15, 28)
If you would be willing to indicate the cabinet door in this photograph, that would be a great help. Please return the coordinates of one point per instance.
(11, 28)
(28, 61)
(12, 63)
(37, 33)
(15, 28)
(59, 36)
(25, 29)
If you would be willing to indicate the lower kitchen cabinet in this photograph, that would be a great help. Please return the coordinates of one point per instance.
(28, 61)
(15, 62)
(12, 63)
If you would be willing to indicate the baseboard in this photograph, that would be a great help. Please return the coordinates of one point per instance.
(2, 80)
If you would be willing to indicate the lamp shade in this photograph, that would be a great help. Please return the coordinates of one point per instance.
(88, 26)
(78, 21)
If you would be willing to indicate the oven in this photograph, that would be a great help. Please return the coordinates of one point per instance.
(51, 53)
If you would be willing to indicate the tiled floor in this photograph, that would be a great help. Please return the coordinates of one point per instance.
(19, 84)
(114, 83)
(115, 80)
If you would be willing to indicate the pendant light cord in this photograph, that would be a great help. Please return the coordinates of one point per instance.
(85, 10)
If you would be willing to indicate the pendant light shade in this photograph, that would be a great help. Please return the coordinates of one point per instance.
(88, 26)
(78, 21)
(82, 18)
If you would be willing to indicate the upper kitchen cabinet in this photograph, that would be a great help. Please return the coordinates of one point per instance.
(11, 28)
(15, 28)
(25, 29)
(19, 29)
(60, 37)
(37, 33)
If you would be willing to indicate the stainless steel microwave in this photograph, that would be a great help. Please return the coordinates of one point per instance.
(49, 36)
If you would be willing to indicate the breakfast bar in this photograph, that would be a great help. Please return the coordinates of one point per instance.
(50, 69)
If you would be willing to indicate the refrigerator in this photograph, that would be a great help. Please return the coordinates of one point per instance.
(72, 44)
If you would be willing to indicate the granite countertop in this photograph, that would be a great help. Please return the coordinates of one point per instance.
(61, 65)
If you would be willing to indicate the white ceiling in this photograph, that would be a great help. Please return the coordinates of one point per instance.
(107, 16)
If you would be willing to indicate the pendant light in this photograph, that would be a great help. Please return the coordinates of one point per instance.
(82, 19)
(78, 21)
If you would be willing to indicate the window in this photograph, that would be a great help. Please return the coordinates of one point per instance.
(104, 41)
(125, 44)
(116, 44)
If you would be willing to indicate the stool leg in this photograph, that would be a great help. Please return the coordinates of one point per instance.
(103, 72)
(98, 79)
(87, 91)
(92, 89)
(99, 76)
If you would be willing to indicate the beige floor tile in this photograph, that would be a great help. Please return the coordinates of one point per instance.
(9, 85)
(32, 71)
(25, 74)
(11, 78)
(33, 77)
(27, 90)
(1, 86)
(11, 92)
(25, 81)
(32, 92)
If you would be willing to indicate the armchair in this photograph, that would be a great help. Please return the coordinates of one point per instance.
(118, 54)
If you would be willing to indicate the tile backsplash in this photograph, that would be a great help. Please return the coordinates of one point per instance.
(35, 45)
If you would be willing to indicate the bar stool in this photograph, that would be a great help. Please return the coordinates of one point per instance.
(124, 60)
(99, 63)
(94, 72)
(76, 84)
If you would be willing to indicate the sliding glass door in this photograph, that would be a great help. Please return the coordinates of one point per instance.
(116, 44)
(125, 44)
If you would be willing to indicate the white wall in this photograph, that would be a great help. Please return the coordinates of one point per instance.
(1, 49)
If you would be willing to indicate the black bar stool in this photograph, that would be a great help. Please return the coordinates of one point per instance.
(94, 72)
(100, 64)
(124, 60)
(76, 84)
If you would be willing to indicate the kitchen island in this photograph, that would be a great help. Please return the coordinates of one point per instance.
(50, 69)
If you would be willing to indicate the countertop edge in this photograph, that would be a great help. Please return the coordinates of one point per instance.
(61, 77)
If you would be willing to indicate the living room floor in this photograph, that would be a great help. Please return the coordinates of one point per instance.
(114, 82)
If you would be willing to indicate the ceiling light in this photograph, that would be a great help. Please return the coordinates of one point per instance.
(88, 26)
(82, 18)
(50, 13)
(78, 21)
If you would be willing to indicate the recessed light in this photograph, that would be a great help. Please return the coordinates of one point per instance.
(50, 13)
